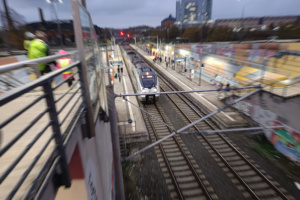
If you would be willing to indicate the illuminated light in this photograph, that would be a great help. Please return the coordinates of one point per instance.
(149, 76)
(143, 90)
(143, 77)
(155, 89)
(122, 33)
(128, 35)
(147, 73)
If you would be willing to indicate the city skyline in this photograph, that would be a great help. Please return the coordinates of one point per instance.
(123, 14)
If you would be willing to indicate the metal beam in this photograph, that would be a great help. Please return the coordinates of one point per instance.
(191, 124)
(191, 91)
(237, 129)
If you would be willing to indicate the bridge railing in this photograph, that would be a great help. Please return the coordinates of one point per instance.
(33, 128)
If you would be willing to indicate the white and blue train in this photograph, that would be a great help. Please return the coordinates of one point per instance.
(144, 78)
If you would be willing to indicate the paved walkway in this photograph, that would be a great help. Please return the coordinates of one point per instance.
(136, 131)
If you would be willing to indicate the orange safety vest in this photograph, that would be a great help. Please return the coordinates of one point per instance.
(65, 62)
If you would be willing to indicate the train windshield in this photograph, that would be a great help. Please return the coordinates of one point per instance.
(148, 81)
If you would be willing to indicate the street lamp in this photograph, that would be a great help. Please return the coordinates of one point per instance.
(57, 20)
(134, 40)
(243, 11)
(242, 17)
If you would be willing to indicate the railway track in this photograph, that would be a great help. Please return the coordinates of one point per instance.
(183, 176)
(252, 181)
(177, 162)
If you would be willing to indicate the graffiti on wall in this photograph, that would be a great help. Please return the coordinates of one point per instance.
(286, 140)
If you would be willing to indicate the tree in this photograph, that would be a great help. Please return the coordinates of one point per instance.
(271, 27)
(14, 25)
(193, 33)
(159, 33)
(221, 33)
(173, 33)
(289, 31)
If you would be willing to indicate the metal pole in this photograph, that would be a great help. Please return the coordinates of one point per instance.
(180, 92)
(83, 72)
(191, 124)
(201, 54)
(242, 129)
(108, 67)
(263, 67)
(200, 75)
(157, 45)
(66, 177)
(243, 13)
(115, 143)
(58, 24)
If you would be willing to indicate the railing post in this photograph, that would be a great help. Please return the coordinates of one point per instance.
(65, 175)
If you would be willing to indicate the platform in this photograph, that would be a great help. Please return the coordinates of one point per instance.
(211, 101)
(135, 131)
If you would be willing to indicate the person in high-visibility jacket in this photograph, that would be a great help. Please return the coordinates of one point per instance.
(28, 38)
(37, 49)
(63, 62)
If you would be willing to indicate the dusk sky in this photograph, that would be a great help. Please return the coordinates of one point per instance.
(125, 13)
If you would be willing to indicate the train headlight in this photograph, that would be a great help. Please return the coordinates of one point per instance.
(143, 90)
(155, 89)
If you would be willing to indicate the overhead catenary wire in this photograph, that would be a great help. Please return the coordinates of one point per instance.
(190, 91)
(150, 114)
(191, 124)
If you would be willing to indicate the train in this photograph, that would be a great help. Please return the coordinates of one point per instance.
(144, 77)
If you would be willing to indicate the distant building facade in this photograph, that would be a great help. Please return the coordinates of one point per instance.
(169, 20)
(191, 13)
(257, 22)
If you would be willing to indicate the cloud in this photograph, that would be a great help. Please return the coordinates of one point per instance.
(125, 13)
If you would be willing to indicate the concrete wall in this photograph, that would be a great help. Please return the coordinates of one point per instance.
(266, 107)
(270, 110)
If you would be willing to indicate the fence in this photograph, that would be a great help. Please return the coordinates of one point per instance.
(32, 135)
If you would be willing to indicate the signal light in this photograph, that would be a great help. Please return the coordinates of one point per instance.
(128, 36)
(122, 33)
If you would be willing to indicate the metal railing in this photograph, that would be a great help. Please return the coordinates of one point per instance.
(62, 109)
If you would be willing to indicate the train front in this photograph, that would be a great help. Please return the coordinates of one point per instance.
(150, 86)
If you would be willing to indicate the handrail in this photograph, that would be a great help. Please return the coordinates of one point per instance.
(14, 66)
(56, 119)
(7, 96)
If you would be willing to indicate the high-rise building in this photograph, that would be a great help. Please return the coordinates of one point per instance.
(193, 12)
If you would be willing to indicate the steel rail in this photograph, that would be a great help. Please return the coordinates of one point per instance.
(217, 152)
(47, 178)
(65, 80)
(42, 172)
(18, 65)
(21, 111)
(66, 92)
(4, 149)
(69, 112)
(192, 91)
(67, 102)
(25, 174)
(16, 161)
(201, 184)
(12, 94)
(178, 190)
(232, 147)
